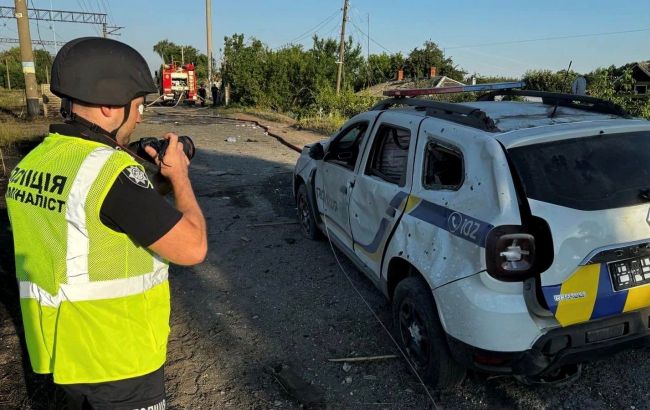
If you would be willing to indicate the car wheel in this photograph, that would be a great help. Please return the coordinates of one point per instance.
(308, 224)
(422, 337)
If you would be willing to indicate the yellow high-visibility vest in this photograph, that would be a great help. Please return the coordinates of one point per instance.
(95, 305)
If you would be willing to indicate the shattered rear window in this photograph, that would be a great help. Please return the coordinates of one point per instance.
(592, 173)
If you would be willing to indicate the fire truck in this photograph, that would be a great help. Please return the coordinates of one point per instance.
(178, 82)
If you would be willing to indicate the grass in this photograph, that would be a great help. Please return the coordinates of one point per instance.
(323, 124)
(14, 131)
(326, 124)
(13, 100)
(262, 113)
(13, 128)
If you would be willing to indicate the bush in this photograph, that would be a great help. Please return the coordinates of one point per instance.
(344, 104)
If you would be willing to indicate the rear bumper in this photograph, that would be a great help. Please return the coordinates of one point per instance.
(562, 346)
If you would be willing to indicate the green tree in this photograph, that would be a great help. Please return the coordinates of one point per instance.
(617, 85)
(490, 79)
(171, 52)
(382, 67)
(547, 80)
(11, 57)
(419, 62)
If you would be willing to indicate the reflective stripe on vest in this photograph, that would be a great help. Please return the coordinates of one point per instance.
(107, 289)
(77, 251)
(79, 288)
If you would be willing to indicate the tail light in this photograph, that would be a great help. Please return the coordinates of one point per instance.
(510, 253)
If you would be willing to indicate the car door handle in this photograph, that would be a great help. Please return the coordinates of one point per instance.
(391, 211)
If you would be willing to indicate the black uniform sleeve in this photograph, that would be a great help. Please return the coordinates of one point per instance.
(133, 207)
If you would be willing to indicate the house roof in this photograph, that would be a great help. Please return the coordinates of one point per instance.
(433, 82)
(644, 67)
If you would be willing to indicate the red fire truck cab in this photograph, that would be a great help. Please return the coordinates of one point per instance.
(178, 82)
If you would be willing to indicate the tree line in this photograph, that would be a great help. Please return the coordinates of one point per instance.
(301, 81)
(297, 80)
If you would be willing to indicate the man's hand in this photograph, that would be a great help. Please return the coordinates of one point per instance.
(186, 243)
(175, 163)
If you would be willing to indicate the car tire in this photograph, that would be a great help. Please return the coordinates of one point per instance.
(422, 337)
(306, 218)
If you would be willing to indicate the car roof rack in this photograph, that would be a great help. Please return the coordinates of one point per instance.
(580, 102)
(413, 92)
(458, 113)
(453, 112)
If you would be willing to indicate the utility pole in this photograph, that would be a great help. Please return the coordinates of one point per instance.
(368, 51)
(53, 34)
(8, 78)
(27, 58)
(342, 47)
(208, 29)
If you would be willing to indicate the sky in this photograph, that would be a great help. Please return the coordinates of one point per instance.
(489, 38)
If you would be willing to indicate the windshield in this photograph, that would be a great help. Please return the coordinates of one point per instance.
(592, 173)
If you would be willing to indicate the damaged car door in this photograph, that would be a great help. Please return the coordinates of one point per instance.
(335, 179)
(382, 186)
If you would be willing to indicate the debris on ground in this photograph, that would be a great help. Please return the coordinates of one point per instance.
(306, 393)
(364, 358)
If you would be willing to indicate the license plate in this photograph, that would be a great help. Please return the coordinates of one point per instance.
(630, 272)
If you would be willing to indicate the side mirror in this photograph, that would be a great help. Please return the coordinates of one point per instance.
(316, 151)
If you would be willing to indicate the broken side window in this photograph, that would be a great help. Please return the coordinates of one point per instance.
(389, 155)
(344, 150)
(443, 167)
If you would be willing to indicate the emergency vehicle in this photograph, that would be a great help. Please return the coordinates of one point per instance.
(178, 82)
(511, 234)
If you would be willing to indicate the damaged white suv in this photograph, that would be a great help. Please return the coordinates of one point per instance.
(512, 237)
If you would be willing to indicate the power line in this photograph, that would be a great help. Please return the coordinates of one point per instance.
(310, 32)
(316, 27)
(336, 26)
(107, 11)
(372, 39)
(35, 42)
(609, 33)
(40, 39)
(110, 11)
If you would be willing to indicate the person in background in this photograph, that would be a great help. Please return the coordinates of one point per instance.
(215, 94)
(203, 94)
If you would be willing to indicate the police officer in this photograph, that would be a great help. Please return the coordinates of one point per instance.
(92, 237)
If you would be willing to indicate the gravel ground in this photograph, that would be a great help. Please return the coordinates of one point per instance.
(265, 297)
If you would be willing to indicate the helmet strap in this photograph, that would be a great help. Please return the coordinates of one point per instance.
(127, 112)
(72, 118)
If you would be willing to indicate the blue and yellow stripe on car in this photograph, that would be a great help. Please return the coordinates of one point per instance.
(373, 249)
(588, 294)
(454, 222)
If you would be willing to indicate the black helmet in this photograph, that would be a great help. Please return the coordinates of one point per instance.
(100, 71)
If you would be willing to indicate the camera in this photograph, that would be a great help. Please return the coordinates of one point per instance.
(160, 145)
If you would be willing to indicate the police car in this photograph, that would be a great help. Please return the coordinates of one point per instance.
(512, 234)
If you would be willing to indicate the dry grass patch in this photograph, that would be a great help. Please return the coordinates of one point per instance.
(15, 131)
(259, 113)
(326, 125)
(12, 100)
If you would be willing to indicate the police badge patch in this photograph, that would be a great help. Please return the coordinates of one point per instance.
(137, 176)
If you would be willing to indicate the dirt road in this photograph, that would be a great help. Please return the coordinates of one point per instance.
(265, 297)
